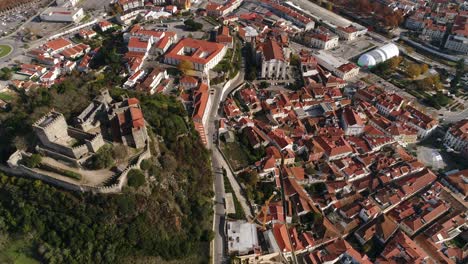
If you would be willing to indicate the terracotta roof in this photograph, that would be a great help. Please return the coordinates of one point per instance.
(351, 117)
(460, 130)
(204, 51)
(136, 42)
(459, 180)
(272, 51)
(57, 44)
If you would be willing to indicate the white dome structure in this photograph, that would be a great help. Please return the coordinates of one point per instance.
(378, 55)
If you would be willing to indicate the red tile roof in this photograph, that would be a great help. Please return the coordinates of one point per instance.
(57, 44)
(272, 51)
(204, 51)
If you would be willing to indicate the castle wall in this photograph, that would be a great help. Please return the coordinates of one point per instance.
(20, 170)
(139, 137)
(95, 143)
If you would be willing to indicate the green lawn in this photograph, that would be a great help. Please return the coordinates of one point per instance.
(6, 97)
(5, 50)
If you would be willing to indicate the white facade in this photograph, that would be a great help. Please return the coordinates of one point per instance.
(130, 4)
(457, 43)
(346, 75)
(60, 14)
(433, 33)
(330, 43)
(349, 35)
(456, 143)
(274, 69)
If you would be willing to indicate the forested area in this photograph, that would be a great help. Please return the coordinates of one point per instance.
(170, 218)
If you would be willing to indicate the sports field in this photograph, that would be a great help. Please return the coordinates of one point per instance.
(5, 50)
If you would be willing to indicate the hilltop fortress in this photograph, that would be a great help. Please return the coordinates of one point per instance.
(66, 151)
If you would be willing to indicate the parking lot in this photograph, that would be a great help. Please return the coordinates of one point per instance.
(179, 27)
(352, 49)
(10, 21)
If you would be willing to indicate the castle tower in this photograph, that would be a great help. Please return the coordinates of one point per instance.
(51, 128)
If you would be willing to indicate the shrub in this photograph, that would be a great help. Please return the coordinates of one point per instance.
(66, 173)
(136, 178)
(192, 25)
(264, 85)
(145, 164)
(103, 158)
(33, 161)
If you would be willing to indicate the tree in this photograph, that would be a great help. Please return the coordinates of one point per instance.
(136, 178)
(409, 50)
(103, 158)
(5, 74)
(168, 162)
(185, 67)
(249, 177)
(119, 152)
(424, 68)
(264, 85)
(461, 65)
(33, 161)
(191, 25)
(145, 164)
(413, 70)
(394, 62)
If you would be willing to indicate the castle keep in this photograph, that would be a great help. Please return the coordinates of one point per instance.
(56, 136)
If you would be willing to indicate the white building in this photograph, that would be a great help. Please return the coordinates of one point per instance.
(418, 120)
(458, 39)
(351, 32)
(62, 14)
(242, 237)
(338, 66)
(126, 5)
(137, 44)
(322, 38)
(275, 60)
(457, 137)
(217, 10)
(458, 43)
(434, 32)
(351, 122)
(378, 55)
(203, 55)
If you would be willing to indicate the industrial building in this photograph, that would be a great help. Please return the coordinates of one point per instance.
(62, 14)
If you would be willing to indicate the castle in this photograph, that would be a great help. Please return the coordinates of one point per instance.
(58, 138)
(90, 118)
(127, 123)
